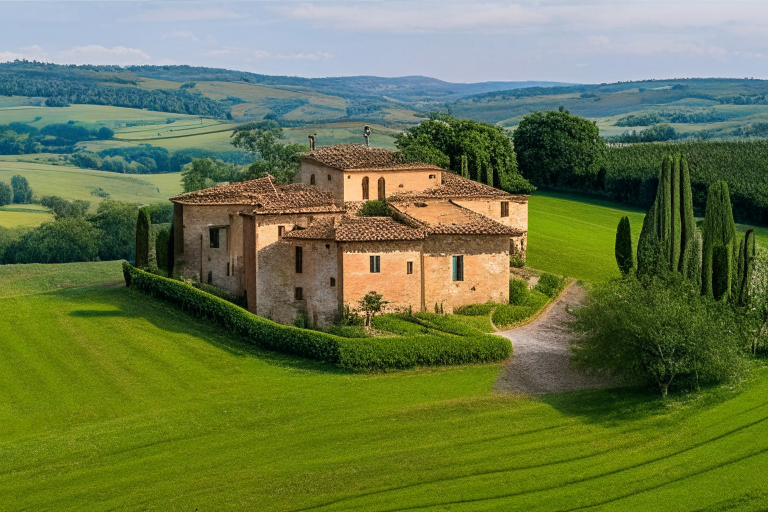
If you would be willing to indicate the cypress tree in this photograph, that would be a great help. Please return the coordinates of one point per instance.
(717, 272)
(170, 252)
(693, 261)
(664, 207)
(161, 247)
(489, 175)
(746, 267)
(676, 223)
(143, 227)
(623, 248)
(646, 243)
(687, 222)
(464, 166)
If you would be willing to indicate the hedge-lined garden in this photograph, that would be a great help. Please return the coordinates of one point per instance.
(435, 341)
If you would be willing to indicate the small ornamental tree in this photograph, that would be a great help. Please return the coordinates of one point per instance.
(623, 248)
(142, 239)
(6, 194)
(371, 304)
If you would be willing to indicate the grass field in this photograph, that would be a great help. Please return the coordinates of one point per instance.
(114, 401)
(76, 183)
(573, 235)
(113, 117)
(22, 215)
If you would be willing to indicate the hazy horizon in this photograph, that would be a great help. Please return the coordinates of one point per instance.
(593, 42)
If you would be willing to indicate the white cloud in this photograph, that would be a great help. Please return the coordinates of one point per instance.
(33, 52)
(97, 54)
(250, 55)
(181, 34)
(170, 15)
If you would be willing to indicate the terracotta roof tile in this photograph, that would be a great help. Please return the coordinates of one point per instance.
(358, 157)
(370, 229)
(321, 229)
(265, 199)
(448, 218)
(455, 186)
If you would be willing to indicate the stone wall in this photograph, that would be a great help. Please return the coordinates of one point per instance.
(394, 182)
(486, 270)
(321, 173)
(518, 217)
(398, 287)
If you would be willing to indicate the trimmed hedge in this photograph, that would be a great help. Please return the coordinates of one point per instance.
(359, 353)
(505, 315)
(475, 309)
(518, 291)
(550, 285)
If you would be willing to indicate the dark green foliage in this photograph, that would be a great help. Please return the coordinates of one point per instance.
(746, 269)
(22, 194)
(648, 245)
(62, 208)
(623, 247)
(143, 227)
(692, 262)
(359, 353)
(220, 293)
(374, 208)
(204, 173)
(117, 223)
(508, 314)
(6, 194)
(659, 133)
(688, 231)
(719, 231)
(423, 151)
(267, 142)
(170, 252)
(664, 207)
(160, 213)
(399, 323)
(61, 241)
(557, 148)
(481, 145)
(518, 292)
(162, 235)
(516, 260)
(675, 241)
(658, 332)
(550, 285)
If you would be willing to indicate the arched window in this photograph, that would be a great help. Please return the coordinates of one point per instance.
(365, 188)
(312, 180)
(382, 190)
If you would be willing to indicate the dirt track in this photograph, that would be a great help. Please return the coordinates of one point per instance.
(541, 358)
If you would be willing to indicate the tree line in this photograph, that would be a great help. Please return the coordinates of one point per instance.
(22, 138)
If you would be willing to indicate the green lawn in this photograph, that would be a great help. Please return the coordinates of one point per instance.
(18, 215)
(76, 183)
(114, 401)
(574, 235)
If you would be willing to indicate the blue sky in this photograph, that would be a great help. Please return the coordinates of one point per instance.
(586, 41)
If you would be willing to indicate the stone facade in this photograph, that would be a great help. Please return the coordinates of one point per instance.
(446, 242)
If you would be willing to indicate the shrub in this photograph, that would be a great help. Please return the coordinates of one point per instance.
(517, 261)
(550, 285)
(6, 194)
(506, 315)
(475, 309)
(220, 293)
(660, 332)
(374, 209)
(518, 291)
(353, 353)
(61, 241)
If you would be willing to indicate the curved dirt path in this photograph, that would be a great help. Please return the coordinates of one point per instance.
(541, 352)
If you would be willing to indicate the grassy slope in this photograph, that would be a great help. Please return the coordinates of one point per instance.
(76, 183)
(112, 400)
(18, 215)
(574, 236)
(18, 280)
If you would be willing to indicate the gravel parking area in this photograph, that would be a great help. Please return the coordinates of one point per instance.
(541, 358)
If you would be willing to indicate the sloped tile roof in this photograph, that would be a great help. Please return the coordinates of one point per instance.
(372, 229)
(321, 229)
(358, 157)
(455, 186)
(265, 199)
(448, 218)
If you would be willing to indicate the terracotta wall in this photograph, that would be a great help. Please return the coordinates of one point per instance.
(486, 270)
(398, 287)
(394, 181)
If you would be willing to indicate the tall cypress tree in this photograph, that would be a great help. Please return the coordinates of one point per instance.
(687, 222)
(676, 224)
(171, 250)
(489, 174)
(720, 250)
(465, 166)
(745, 268)
(664, 207)
(143, 227)
(623, 248)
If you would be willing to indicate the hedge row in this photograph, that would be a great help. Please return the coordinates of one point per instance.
(360, 354)
(505, 315)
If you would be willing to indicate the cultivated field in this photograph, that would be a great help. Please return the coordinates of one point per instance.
(23, 215)
(112, 400)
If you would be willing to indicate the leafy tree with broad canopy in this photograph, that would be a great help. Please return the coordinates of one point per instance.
(266, 141)
(557, 148)
(446, 141)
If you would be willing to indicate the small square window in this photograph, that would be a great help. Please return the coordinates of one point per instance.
(298, 293)
(375, 264)
(280, 231)
(505, 208)
(213, 235)
(409, 267)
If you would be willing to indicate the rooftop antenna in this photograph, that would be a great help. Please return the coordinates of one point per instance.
(312, 142)
(271, 182)
(367, 135)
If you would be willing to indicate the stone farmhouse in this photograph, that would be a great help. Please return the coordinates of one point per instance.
(302, 248)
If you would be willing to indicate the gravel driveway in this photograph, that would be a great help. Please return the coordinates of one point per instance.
(541, 357)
